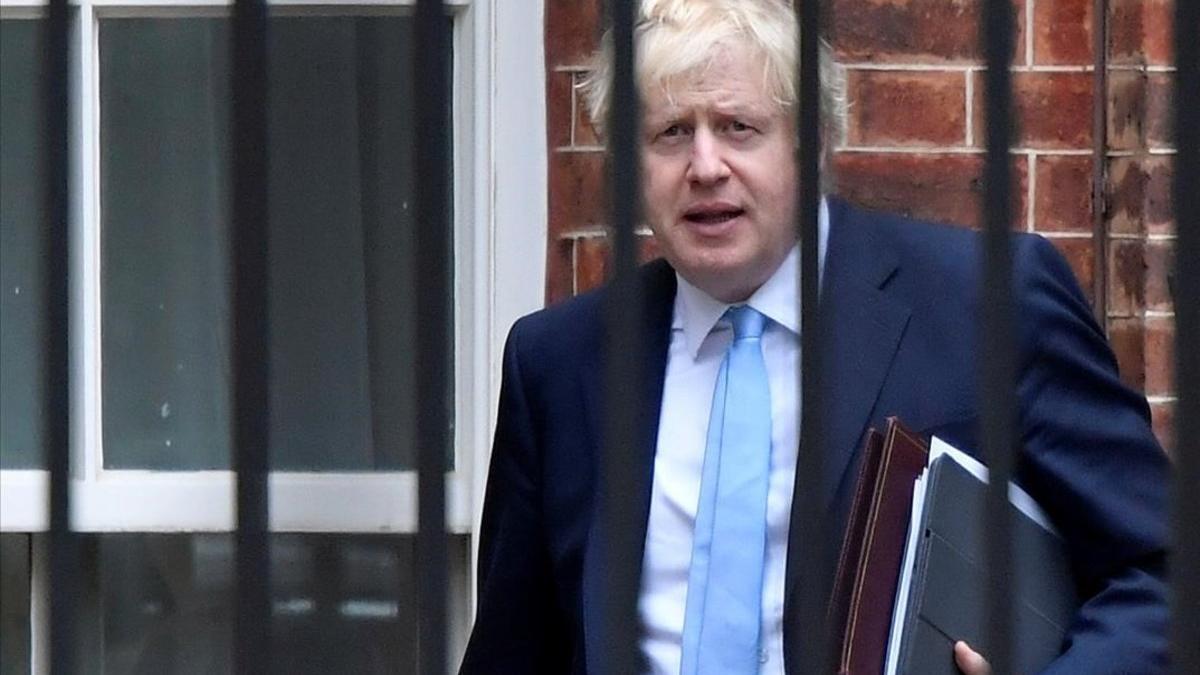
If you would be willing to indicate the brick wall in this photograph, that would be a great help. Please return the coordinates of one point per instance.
(914, 138)
(1141, 318)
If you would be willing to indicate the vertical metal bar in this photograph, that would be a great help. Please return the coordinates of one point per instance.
(327, 591)
(250, 336)
(1100, 161)
(434, 338)
(997, 335)
(813, 531)
(56, 366)
(1185, 561)
(624, 363)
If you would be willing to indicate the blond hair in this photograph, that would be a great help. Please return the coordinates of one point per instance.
(678, 37)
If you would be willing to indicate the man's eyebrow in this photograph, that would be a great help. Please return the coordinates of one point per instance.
(738, 109)
(676, 113)
(673, 114)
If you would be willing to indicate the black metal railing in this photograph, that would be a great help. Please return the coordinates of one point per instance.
(251, 339)
(1185, 562)
(810, 536)
(620, 464)
(998, 398)
(63, 543)
(620, 467)
(435, 343)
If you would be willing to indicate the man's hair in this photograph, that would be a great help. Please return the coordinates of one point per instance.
(679, 37)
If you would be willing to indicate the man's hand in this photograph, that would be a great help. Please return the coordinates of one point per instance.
(969, 661)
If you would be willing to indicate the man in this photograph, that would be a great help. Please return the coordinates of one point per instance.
(899, 311)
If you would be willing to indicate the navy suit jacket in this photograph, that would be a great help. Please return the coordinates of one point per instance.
(899, 316)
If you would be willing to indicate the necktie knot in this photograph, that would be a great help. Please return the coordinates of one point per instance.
(747, 322)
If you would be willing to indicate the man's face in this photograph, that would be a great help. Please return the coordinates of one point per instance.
(719, 177)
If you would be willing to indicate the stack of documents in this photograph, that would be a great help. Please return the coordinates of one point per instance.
(934, 586)
(869, 566)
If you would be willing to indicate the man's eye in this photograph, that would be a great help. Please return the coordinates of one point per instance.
(672, 131)
(739, 127)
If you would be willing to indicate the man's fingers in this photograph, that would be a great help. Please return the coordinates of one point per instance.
(969, 661)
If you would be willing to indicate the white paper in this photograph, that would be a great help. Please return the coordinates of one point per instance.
(900, 609)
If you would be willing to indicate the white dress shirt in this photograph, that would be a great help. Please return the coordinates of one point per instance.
(699, 338)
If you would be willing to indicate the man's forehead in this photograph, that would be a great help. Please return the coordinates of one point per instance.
(724, 85)
(678, 103)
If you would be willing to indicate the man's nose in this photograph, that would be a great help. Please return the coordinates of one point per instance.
(707, 163)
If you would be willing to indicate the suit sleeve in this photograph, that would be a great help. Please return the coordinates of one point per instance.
(514, 629)
(1092, 459)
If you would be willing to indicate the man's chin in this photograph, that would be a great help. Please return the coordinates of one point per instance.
(726, 282)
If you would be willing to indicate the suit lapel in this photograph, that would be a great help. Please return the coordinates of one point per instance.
(658, 284)
(861, 328)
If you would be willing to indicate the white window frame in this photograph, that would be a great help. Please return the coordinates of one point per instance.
(500, 206)
(500, 250)
(500, 244)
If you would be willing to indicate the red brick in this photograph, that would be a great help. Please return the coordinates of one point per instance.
(1124, 31)
(1124, 194)
(592, 259)
(1140, 31)
(558, 108)
(1126, 110)
(906, 108)
(1139, 195)
(1082, 258)
(577, 192)
(939, 187)
(1063, 196)
(914, 31)
(1126, 336)
(1160, 265)
(1158, 32)
(572, 30)
(1158, 210)
(1160, 356)
(1062, 32)
(1160, 132)
(648, 248)
(1162, 416)
(1126, 277)
(560, 270)
(1052, 110)
(585, 131)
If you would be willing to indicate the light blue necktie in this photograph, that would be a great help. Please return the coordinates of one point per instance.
(722, 621)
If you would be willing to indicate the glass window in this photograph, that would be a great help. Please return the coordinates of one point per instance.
(22, 180)
(165, 132)
(341, 186)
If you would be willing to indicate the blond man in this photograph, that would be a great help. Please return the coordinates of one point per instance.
(899, 306)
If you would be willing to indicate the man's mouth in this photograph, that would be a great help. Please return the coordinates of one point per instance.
(712, 216)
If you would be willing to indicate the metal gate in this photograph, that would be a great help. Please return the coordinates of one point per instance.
(250, 249)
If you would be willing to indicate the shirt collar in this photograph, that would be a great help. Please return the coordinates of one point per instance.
(696, 312)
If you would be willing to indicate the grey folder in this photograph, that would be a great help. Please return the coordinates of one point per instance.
(947, 595)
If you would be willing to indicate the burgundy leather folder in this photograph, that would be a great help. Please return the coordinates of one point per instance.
(873, 547)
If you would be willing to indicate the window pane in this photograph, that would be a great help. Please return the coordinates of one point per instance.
(341, 182)
(164, 133)
(14, 604)
(22, 179)
(340, 603)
